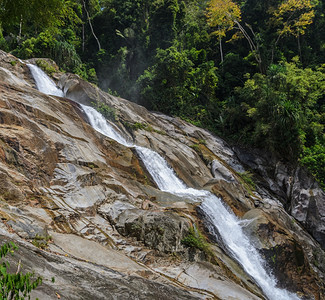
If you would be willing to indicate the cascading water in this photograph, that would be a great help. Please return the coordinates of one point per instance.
(101, 125)
(44, 83)
(224, 221)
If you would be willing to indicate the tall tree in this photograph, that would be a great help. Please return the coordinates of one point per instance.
(222, 15)
(293, 17)
(225, 15)
(41, 13)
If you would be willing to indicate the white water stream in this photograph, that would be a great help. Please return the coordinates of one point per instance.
(44, 83)
(224, 221)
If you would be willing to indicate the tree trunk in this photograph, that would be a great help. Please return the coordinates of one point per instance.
(83, 37)
(91, 26)
(20, 27)
(299, 47)
(254, 46)
(221, 52)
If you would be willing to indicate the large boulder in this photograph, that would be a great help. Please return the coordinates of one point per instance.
(159, 230)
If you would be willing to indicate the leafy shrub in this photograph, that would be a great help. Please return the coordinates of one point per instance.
(92, 76)
(14, 285)
(314, 159)
(247, 178)
(27, 49)
(41, 241)
(175, 84)
(42, 45)
(66, 56)
(141, 126)
(45, 66)
(108, 112)
(3, 43)
(196, 240)
(86, 73)
(196, 147)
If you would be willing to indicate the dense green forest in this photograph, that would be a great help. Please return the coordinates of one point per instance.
(251, 71)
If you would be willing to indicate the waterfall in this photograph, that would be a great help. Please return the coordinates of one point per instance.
(44, 83)
(221, 218)
(226, 223)
(101, 125)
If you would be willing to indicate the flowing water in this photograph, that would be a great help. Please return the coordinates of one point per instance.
(221, 219)
(44, 83)
(214, 210)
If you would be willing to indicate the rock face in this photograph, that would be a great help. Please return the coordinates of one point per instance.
(158, 230)
(94, 281)
(294, 187)
(91, 206)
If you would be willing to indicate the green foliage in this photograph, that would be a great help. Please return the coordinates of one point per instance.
(274, 109)
(141, 126)
(45, 66)
(3, 43)
(92, 76)
(14, 285)
(314, 159)
(196, 147)
(41, 241)
(175, 85)
(247, 178)
(50, 44)
(196, 240)
(108, 112)
(65, 54)
(43, 13)
(86, 73)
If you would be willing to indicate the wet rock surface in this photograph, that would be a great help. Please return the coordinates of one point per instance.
(112, 229)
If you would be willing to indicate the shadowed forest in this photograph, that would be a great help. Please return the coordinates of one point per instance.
(250, 71)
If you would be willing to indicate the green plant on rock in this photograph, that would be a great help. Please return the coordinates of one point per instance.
(195, 239)
(247, 179)
(14, 285)
(41, 241)
(85, 72)
(113, 92)
(314, 159)
(108, 112)
(195, 147)
(141, 126)
(45, 66)
(202, 142)
(138, 126)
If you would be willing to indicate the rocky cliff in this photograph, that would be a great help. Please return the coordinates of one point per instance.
(83, 208)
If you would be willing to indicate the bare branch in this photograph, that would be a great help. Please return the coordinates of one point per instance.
(91, 26)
